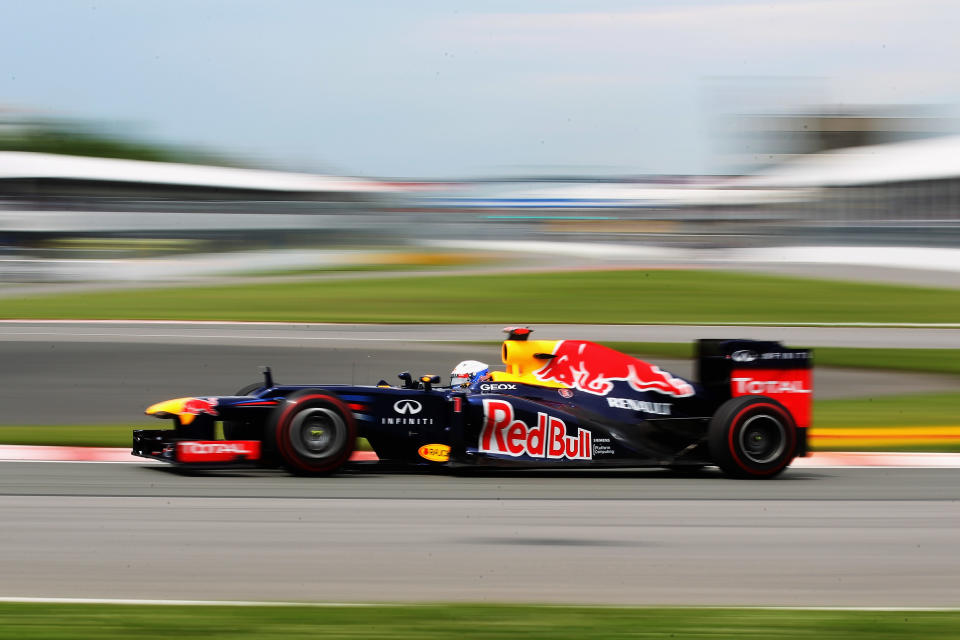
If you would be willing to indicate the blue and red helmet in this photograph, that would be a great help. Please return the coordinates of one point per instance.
(468, 372)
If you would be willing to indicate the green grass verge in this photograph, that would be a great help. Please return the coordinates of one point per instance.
(576, 297)
(69, 435)
(909, 410)
(918, 360)
(464, 622)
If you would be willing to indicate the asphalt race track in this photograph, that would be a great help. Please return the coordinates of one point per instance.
(85, 383)
(825, 537)
(813, 537)
(94, 383)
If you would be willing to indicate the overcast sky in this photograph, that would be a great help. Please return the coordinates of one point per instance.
(443, 88)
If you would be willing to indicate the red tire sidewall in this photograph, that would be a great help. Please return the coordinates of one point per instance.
(736, 426)
(284, 422)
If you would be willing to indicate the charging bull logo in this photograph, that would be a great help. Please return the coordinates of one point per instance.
(505, 435)
(196, 406)
(594, 368)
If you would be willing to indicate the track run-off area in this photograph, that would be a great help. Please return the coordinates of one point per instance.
(880, 537)
(813, 537)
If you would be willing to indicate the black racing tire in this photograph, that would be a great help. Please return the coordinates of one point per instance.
(244, 429)
(249, 388)
(752, 437)
(312, 433)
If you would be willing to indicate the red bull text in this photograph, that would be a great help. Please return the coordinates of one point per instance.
(594, 368)
(505, 435)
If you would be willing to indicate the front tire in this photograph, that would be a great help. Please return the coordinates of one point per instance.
(313, 433)
(752, 437)
(248, 389)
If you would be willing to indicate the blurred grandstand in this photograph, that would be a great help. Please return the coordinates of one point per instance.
(904, 190)
(870, 176)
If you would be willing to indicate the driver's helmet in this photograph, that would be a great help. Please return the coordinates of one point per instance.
(468, 372)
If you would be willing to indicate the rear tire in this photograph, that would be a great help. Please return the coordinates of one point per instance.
(312, 433)
(752, 437)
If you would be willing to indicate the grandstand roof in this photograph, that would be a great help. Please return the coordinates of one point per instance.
(926, 159)
(28, 165)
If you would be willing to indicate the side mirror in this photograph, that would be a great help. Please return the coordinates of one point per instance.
(429, 381)
(267, 377)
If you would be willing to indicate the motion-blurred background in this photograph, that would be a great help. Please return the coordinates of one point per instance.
(196, 139)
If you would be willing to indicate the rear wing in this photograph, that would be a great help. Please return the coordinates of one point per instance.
(733, 368)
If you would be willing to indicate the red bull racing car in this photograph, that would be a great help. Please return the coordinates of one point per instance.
(558, 403)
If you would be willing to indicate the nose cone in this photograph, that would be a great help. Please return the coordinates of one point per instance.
(185, 408)
(167, 408)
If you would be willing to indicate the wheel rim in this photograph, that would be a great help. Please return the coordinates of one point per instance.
(317, 433)
(763, 439)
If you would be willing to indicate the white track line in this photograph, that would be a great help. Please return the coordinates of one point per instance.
(198, 336)
(254, 603)
(192, 603)
(911, 325)
(821, 460)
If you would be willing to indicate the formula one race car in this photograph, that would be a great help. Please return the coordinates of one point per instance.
(558, 403)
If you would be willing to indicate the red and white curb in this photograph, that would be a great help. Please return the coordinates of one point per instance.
(854, 459)
(820, 459)
(19, 453)
(16, 452)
